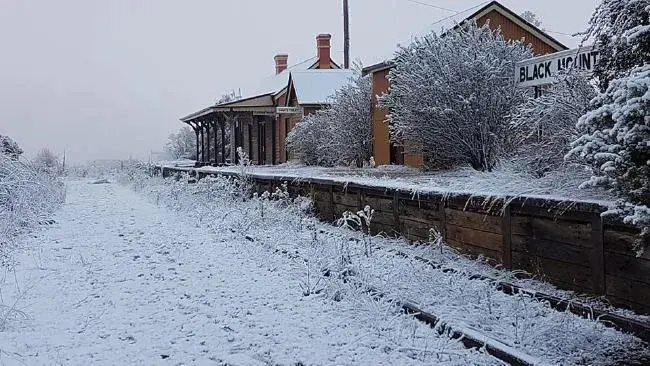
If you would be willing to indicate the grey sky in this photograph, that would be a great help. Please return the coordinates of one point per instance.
(109, 79)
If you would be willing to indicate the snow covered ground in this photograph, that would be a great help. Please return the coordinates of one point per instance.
(120, 280)
(194, 274)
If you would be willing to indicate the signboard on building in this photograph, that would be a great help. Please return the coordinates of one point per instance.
(289, 110)
(544, 69)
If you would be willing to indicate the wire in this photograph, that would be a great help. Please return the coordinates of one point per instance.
(458, 12)
(431, 5)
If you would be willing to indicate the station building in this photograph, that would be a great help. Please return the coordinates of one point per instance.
(260, 122)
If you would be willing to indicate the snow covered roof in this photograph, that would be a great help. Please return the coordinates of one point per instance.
(275, 83)
(318, 86)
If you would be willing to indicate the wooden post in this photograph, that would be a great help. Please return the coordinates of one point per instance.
(222, 125)
(443, 218)
(331, 187)
(200, 123)
(397, 226)
(207, 131)
(598, 256)
(506, 230)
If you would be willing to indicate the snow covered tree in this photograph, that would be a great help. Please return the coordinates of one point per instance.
(531, 18)
(339, 134)
(616, 142)
(548, 123)
(9, 147)
(450, 95)
(182, 144)
(47, 162)
(621, 31)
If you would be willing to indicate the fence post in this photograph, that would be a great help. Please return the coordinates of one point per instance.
(331, 188)
(397, 226)
(506, 230)
(598, 256)
(443, 217)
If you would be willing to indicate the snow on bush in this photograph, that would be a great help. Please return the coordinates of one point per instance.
(27, 199)
(340, 134)
(548, 123)
(181, 144)
(47, 162)
(450, 95)
(341, 265)
(9, 147)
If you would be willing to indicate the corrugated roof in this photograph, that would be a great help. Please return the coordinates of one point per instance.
(318, 86)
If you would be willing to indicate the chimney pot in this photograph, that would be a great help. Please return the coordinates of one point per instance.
(281, 62)
(324, 47)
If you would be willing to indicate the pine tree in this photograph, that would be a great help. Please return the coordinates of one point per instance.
(617, 139)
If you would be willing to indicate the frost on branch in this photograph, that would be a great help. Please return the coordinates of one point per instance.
(340, 134)
(621, 30)
(450, 95)
(548, 123)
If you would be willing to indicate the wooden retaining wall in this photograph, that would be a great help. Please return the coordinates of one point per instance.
(567, 244)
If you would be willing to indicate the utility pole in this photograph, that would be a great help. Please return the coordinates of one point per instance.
(346, 32)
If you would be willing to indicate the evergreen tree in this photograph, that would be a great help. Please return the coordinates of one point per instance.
(617, 139)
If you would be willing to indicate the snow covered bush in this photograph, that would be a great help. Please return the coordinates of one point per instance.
(182, 144)
(27, 199)
(47, 162)
(9, 148)
(616, 142)
(548, 123)
(450, 95)
(339, 134)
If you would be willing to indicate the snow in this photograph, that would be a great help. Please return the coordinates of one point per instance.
(275, 83)
(506, 181)
(179, 273)
(318, 86)
(120, 280)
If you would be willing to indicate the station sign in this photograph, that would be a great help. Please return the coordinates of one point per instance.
(289, 110)
(544, 69)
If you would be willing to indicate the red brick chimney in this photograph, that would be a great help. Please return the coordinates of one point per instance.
(323, 42)
(281, 61)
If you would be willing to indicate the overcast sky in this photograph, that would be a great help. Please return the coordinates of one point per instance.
(110, 78)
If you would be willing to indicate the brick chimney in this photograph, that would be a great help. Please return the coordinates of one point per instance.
(323, 43)
(281, 62)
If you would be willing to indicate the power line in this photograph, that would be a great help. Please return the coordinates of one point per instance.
(431, 5)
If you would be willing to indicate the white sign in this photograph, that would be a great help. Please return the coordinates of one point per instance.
(543, 69)
(289, 110)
